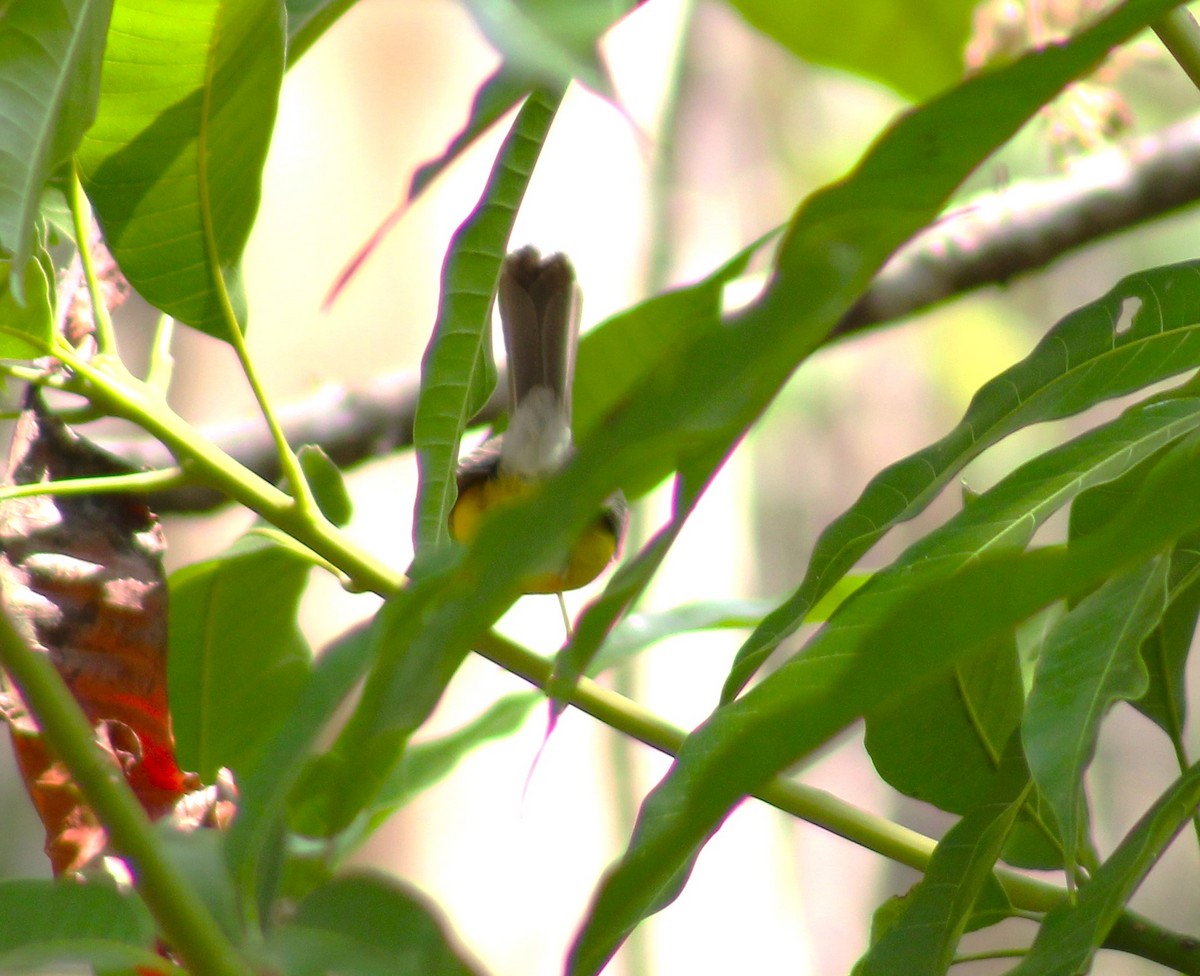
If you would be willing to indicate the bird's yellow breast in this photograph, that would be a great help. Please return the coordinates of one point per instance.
(593, 550)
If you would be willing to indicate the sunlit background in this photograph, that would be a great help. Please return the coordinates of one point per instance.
(719, 135)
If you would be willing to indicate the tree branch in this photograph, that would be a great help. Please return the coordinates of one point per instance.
(1022, 228)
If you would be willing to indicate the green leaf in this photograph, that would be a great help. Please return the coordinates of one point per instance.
(889, 641)
(1071, 933)
(457, 372)
(916, 51)
(943, 744)
(237, 657)
(27, 323)
(328, 485)
(44, 922)
(1083, 360)
(1091, 660)
(174, 162)
(923, 939)
(50, 54)
(367, 925)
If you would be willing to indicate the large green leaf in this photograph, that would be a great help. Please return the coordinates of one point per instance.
(49, 69)
(457, 372)
(1090, 660)
(943, 744)
(237, 660)
(44, 922)
(898, 632)
(1072, 932)
(367, 925)
(174, 162)
(922, 940)
(1087, 357)
(917, 50)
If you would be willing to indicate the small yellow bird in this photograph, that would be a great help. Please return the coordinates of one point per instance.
(539, 303)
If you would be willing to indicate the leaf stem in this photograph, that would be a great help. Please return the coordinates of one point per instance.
(81, 217)
(182, 917)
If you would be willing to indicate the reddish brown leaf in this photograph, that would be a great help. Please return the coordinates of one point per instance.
(82, 577)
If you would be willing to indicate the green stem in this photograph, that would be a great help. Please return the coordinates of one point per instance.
(1180, 35)
(1131, 934)
(182, 917)
(81, 217)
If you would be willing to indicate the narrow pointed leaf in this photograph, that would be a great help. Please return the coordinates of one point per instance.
(1080, 362)
(27, 322)
(922, 941)
(174, 162)
(1071, 933)
(457, 372)
(50, 54)
(1089, 662)
(869, 662)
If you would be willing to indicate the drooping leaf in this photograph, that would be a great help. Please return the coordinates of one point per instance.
(1091, 659)
(46, 922)
(918, 51)
(307, 20)
(367, 925)
(923, 939)
(173, 164)
(1071, 933)
(869, 662)
(457, 372)
(49, 69)
(238, 659)
(1083, 360)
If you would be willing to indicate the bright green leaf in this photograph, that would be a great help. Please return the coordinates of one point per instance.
(174, 162)
(1083, 360)
(917, 49)
(49, 68)
(237, 658)
(1091, 659)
